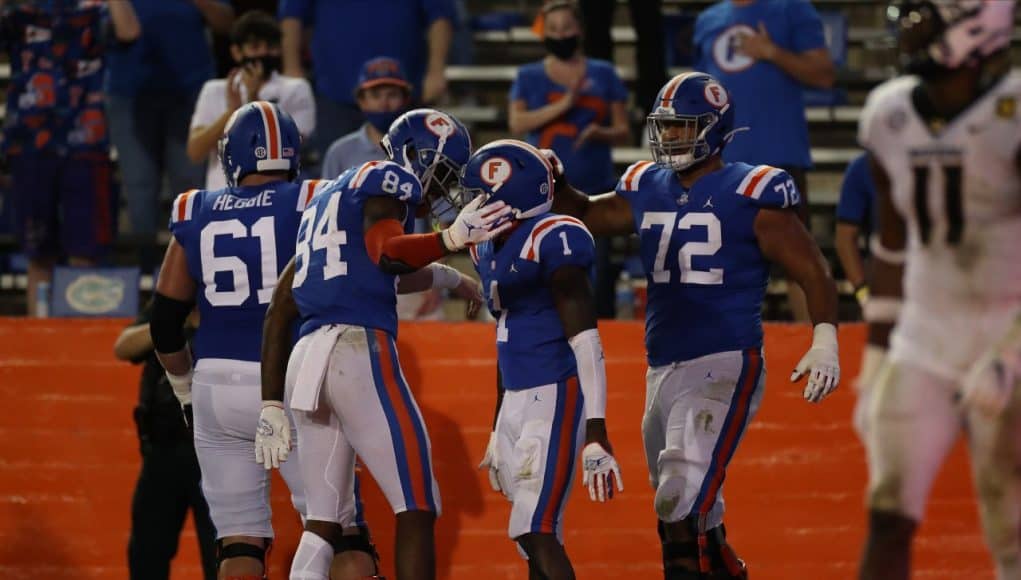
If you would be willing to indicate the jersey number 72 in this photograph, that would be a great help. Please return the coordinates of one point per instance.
(688, 250)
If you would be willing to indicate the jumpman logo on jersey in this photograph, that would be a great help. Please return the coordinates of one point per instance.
(708, 203)
(513, 268)
(536, 399)
(709, 375)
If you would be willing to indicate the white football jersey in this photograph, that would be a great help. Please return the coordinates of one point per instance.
(958, 190)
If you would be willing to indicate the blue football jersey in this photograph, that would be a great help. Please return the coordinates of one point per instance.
(335, 280)
(531, 347)
(236, 241)
(706, 275)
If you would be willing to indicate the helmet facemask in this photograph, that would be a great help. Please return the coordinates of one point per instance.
(679, 142)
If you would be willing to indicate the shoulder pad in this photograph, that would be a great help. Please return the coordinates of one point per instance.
(530, 248)
(633, 176)
(308, 190)
(184, 204)
(769, 186)
(374, 178)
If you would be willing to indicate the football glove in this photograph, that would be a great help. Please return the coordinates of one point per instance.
(476, 223)
(821, 363)
(273, 437)
(489, 462)
(600, 470)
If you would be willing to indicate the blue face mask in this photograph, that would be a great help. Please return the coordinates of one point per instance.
(382, 120)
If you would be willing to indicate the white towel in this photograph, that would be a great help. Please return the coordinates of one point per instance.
(313, 368)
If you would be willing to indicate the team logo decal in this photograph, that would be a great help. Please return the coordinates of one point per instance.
(440, 124)
(95, 294)
(727, 49)
(1006, 107)
(716, 95)
(260, 152)
(495, 171)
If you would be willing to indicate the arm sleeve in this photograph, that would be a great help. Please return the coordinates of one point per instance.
(566, 244)
(300, 9)
(385, 178)
(770, 187)
(853, 206)
(205, 107)
(804, 20)
(302, 107)
(437, 9)
(518, 87)
(618, 92)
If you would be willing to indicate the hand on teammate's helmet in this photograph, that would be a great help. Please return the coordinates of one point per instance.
(273, 437)
(821, 363)
(600, 471)
(490, 461)
(477, 224)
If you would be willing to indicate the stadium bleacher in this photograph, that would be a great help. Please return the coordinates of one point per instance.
(480, 93)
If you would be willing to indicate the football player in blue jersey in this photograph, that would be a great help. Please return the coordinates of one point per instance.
(227, 250)
(708, 231)
(552, 382)
(355, 253)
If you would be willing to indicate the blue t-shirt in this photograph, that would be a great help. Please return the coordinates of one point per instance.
(532, 349)
(590, 167)
(706, 274)
(335, 280)
(236, 242)
(55, 98)
(172, 54)
(766, 99)
(857, 203)
(346, 33)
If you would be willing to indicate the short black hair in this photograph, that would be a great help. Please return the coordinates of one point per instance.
(255, 26)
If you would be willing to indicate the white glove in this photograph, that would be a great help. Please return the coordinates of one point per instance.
(474, 225)
(181, 384)
(600, 469)
(989, 385)
(823, 361)
(554, 160)
(490, 462)
(273, 437)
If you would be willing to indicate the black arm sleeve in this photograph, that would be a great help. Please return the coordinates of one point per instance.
(167, 325)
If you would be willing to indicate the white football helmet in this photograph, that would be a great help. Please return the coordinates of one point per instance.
(935, 35)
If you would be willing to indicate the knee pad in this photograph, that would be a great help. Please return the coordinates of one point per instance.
(672, 501)
(241, 550)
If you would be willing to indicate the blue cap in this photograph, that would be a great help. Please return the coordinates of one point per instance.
(382, 70)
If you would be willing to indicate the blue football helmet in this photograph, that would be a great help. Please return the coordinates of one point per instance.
(513, 172)
(692, 119)
(259, 137)
(434, 146)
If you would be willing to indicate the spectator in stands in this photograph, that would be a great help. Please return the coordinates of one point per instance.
(383, 93)
(650, 59)
(168, 484)
(856, 216)
(221, 42)
(151, 90)
(346, 33)
(764, 53)
(255, 47)
(575, 106)
(55, 133)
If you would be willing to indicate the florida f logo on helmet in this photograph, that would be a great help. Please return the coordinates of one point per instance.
(495, 172)
(716, 95)
(440, 125)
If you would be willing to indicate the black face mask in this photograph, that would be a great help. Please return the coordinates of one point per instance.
(562, 48)
(270, 63)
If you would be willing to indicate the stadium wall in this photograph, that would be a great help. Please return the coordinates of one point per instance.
(69, 460)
